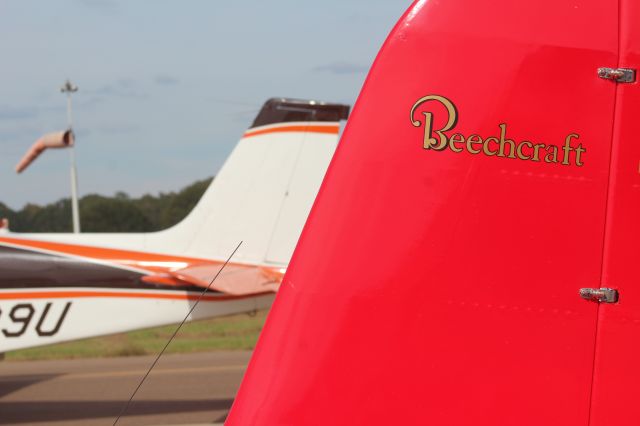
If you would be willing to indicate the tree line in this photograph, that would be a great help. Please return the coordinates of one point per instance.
(119, 213)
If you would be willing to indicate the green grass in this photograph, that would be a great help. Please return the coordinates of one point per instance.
(237, 332)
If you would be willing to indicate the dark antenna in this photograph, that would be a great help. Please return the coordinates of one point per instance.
(126, 406)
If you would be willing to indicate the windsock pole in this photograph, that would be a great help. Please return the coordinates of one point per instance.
(69, 88)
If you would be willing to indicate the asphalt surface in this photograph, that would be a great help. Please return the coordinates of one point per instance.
(185, 388)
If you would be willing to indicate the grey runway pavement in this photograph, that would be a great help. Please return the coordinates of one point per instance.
(184, 388)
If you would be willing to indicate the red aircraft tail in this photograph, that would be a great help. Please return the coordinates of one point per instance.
(437, 278)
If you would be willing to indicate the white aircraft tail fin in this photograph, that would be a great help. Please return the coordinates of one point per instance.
(264, 191)
(261, 196)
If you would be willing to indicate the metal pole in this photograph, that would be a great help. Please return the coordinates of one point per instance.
(69, 88)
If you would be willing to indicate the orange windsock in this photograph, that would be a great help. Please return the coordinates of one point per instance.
(50, 140)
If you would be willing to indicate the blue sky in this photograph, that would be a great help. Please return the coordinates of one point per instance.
(166, 87)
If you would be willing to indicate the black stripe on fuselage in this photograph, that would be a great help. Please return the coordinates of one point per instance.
(22, 268)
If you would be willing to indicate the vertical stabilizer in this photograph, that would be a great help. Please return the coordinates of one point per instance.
(263, 193)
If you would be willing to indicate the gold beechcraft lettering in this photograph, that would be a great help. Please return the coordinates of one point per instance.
(437, 140)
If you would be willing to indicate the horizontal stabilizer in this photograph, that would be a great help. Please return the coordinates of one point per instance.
(236, 280)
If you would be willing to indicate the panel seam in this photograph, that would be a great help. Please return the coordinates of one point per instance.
(606, 215)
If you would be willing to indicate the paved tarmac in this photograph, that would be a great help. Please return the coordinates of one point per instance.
(185, 388)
